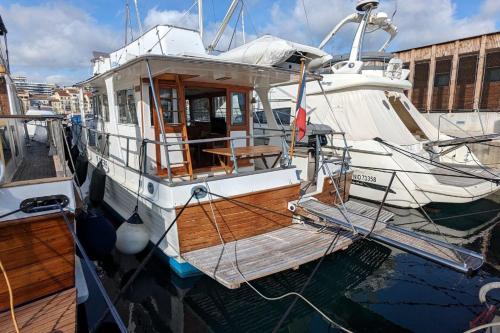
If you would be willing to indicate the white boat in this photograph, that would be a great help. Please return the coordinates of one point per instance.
(172, 130)
(37, 128)
(363, 95)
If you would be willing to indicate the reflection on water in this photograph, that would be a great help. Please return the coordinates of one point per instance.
(367, 288)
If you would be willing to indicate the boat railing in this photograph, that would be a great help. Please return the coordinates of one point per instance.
(100, 140)
(49, 154)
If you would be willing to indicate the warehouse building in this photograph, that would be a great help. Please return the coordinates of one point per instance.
(455, 76)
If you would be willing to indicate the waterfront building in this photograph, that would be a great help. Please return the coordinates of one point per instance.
(39, 88)
(455, 76)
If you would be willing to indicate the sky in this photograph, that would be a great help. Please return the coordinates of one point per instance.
(53, 41)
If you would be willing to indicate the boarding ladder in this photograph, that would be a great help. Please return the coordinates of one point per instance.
(362, 218)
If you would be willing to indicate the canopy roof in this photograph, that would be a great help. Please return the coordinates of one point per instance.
(200, 69)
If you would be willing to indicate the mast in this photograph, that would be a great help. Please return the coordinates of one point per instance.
(223, 25)
(243, 24)
(200, 17)
(138, 16)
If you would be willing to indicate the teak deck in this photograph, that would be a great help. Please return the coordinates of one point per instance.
(266, 254)
(55, 313)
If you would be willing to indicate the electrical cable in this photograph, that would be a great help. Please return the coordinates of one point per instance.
(11, 297)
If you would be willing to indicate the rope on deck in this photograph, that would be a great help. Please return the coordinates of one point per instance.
(277, 298)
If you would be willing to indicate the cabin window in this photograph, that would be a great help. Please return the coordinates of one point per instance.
(259, 117)
(170, 105)
(96, 106)
(238, 107)
(104, 108)
(198, 110)
(4, 142)
(220, 107)
(126, 107)
(282, 115)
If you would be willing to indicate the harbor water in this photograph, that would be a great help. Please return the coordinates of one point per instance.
(367, 288)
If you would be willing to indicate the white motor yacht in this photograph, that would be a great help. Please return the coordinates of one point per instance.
(364, 96)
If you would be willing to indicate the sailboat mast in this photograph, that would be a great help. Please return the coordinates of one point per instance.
(243, 24)
(200, 17)
(138, 16)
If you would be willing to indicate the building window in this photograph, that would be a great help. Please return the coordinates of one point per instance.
(493, 74)
(238, 107)
(169, 105)
(126, 107)
(199, 110)
(442, 80)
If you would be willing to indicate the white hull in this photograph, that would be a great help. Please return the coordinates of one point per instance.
(158, 209)
(367, 107)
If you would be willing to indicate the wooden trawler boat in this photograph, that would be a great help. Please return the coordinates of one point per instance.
(172, 132)
(171, 145)
(41, 278)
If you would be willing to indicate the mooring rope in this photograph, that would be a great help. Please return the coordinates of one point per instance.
(110, 305)
(434, 163)
(148, 256)
(277, 298)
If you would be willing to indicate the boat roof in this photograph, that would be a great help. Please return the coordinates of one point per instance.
(201, 69)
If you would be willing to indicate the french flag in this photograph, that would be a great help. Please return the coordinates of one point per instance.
(300, 113)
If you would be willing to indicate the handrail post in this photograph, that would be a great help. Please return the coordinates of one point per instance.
(160, 121)
(233, 156)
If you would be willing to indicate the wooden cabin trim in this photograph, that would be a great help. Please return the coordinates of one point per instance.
(176, 81)
(196, 228)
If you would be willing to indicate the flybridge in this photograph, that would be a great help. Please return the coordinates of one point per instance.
(159, 40)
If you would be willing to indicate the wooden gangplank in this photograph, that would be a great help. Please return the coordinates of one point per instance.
(446, 254)
(269, 253)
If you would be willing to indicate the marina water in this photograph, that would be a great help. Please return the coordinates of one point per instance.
(367, 288)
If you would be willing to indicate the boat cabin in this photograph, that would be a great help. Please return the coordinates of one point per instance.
(202, 105)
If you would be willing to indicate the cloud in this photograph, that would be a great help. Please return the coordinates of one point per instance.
(171, 17)
(190, 20)
(419, 22)
(54, 37)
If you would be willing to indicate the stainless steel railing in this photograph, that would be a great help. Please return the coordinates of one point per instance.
(91, 132)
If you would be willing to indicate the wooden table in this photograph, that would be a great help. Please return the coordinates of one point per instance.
(246, 153)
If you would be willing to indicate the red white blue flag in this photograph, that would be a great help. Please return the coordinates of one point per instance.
(300, 113)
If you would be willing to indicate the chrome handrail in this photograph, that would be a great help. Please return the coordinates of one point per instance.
(230, 139)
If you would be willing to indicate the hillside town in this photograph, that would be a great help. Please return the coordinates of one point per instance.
(64, 100)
